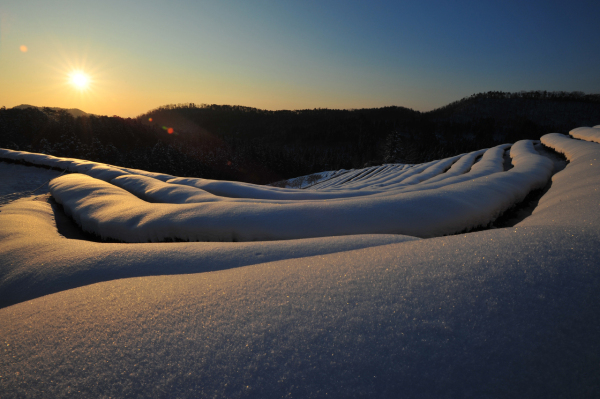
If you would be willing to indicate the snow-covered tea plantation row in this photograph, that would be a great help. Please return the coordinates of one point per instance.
(329, 291)
(433, 199)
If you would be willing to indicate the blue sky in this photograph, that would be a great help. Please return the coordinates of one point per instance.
(291, 55)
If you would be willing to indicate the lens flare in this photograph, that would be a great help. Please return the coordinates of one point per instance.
(23, 48)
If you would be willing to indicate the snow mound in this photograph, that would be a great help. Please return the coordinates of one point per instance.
(587, 133)
(98, 170)
(36, 260)
(460, 203)
(367, 181)
(384, 178)
(153, 190)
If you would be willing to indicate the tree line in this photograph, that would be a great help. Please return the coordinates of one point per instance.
(261, 146)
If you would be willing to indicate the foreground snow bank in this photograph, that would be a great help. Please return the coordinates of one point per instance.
(460, 203)
(36, 260)
(503, 313)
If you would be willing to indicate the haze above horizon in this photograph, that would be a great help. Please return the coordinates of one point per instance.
(125, 58)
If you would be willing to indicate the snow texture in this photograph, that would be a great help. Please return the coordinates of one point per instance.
(18, 182)
(29, 234)
(501, 313)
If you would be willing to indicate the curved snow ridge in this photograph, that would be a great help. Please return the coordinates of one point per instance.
(403, 175)
(153, 190)
(326, 177)
(461, 166)
(397, 176)
(576, 184)
(362, 182)
(38, 261)
(434, 170)
(572, 149)
(587, 133)
(354, 183)
(112, 212)
(229, 189)
(174, 192)
(95, 169)
(490, 163)
(376, 181)
(430, 175)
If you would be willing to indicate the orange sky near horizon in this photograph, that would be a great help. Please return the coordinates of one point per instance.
(141, 55)
(41, 77)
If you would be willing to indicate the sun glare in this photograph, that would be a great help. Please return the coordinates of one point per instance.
(80, 80)
(75, 81)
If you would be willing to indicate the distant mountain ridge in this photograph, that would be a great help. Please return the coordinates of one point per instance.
(73, 111)
(540, 107)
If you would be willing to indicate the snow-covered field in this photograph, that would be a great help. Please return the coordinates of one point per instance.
(365, 284)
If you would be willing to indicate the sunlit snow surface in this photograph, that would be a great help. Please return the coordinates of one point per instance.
(406, 202)
(512, 312)
(587, 133)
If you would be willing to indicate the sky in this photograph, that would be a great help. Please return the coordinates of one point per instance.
(138, 55)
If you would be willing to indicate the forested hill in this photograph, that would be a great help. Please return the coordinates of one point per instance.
(321, 126)
(557, 109)
(322, 138)
(124, 142)
(536, 105)
(291, 142)
(253, 145)
(73, 111)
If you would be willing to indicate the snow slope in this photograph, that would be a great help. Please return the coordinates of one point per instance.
(511, 312)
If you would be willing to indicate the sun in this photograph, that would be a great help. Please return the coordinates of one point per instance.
(80, 80)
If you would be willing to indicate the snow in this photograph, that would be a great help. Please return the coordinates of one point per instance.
(455, 204)
(367, 181)
(18, 182)
(94, 169)
(405, 177)
(511, 312)
(307, 180)
(29, 235)
(587, 133)
(578, 185)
